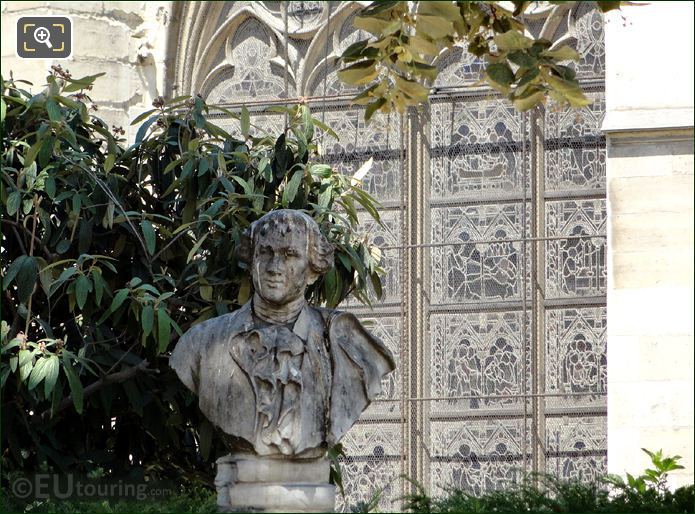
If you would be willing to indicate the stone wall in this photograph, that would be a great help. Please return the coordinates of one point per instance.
(127, 40)
(649, 124)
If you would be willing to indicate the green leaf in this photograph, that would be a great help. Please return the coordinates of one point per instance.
(522, 58)
(53, 110)
(446, 10)
(354, 51)
(248, 188)
(147, 319)
(564, 72)
(245, 122)
(32, 152)
(109, 162)
(373, 107)
(150, 236)
(50, 187)
(606, 6)
(99, 285)
(118, 299)
(434, 26)
(528, 101)
(76, 389)
(292, 187)
(53, 368)
(564, 53)
(412, 88)
(82, 288)
(539, 45)
(26, 278)
(221, 163)
(376, 26)
(143, 128)
(85, 237)
(203, 166)
(329, 285)
(25, 357)
(380, 6)
(3, 110)
(196, 247)
(570, 91)
(512, 40)
(328, 130)
(77, 84)
(325, 197)
(359, 73)
(25, 371)
(187, 168)
(63, 246)
(68, 102)
(307, 122)
(143, 116)
(423, 46)
(13, 201)
(163, 329)
(172, 165)
(206, 292)
(500, 73)
(38, 373)
(376, 284)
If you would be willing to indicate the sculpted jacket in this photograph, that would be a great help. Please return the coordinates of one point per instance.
(282, 389)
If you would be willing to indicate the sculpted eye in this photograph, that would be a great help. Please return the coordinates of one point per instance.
(291, 253)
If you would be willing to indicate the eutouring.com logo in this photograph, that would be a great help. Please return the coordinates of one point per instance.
(44, 37)
(43, 486)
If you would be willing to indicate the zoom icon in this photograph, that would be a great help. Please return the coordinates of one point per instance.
(44, 37)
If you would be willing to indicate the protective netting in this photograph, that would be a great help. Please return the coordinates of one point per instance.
(493, 237)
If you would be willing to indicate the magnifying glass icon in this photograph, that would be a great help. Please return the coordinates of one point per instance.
(43, 36)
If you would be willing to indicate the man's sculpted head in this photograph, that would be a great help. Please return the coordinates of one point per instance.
(286, 252)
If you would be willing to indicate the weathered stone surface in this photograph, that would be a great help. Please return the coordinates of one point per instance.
(247, 482)
(279, 378)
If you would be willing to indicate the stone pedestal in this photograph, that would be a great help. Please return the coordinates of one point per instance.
(248, 483)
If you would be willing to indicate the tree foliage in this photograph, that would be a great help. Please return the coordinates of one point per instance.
(110, 252)
(396, 64)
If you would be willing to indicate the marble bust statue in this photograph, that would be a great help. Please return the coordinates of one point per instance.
(279, 378)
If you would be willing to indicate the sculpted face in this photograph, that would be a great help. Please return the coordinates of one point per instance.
(281, 263)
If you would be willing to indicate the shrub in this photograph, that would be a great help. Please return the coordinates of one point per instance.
(546, 493)
(110, 252)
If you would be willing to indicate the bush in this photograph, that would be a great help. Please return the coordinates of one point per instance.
(110, 252)
(546, 493)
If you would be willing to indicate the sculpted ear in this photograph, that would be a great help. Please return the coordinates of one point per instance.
(245, 247)
(320, 257)
(311, 276)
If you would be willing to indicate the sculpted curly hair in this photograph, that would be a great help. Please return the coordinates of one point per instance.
(320, 249)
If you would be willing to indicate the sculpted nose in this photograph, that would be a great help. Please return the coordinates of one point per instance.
(274, 265)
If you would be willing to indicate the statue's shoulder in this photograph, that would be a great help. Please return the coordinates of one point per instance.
(332, 315)
(213, 329)
(343, 323)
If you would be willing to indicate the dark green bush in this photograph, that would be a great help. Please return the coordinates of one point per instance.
(110, 252)
(647, 492)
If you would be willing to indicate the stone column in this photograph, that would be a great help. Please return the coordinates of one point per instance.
(247, 483)
(649, 128)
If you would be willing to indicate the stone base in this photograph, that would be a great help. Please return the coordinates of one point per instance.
(248, 483)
